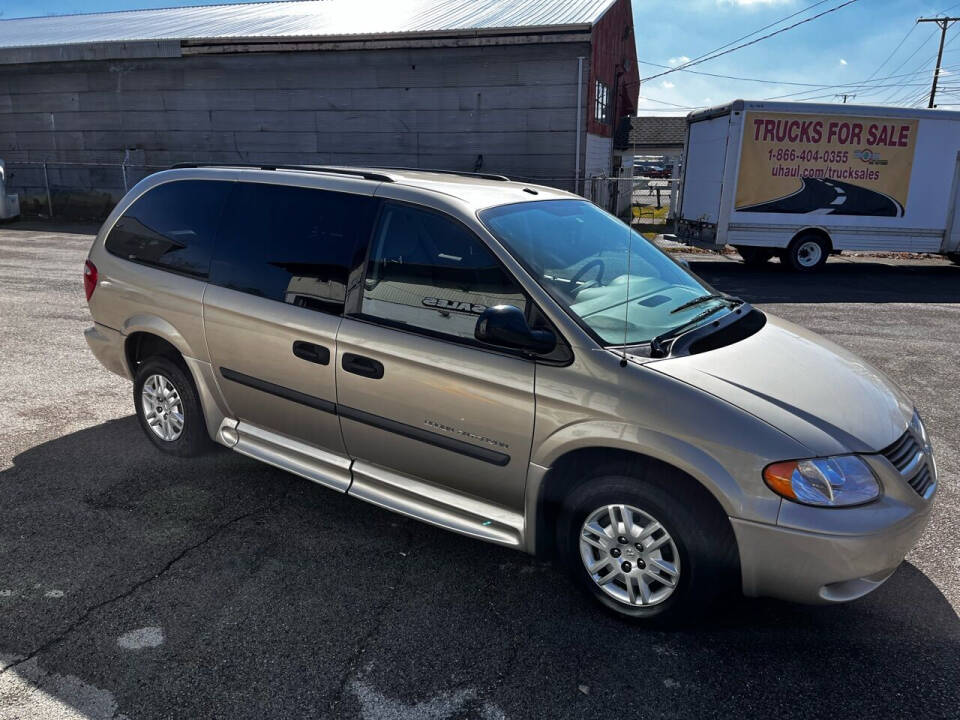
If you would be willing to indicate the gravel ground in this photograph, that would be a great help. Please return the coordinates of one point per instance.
(135, 585)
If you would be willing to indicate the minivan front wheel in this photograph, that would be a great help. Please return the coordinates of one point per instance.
(629, 555)
(648, 549)
(168, 408)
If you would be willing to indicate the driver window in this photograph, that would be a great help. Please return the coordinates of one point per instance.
(429, 272)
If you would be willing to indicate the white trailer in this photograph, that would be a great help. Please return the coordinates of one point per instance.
(803, 180)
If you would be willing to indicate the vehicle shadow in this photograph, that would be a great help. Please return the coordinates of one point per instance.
(220, 587)
(835, 282)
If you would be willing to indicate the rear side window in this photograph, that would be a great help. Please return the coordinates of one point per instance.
(295, 245)
(172, 226)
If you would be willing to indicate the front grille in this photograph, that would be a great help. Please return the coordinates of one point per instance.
(907, 455)
(902, 452)
(922, 481)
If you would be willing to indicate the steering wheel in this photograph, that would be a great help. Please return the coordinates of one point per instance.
(597, 262)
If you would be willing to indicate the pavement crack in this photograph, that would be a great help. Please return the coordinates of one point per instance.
(85, 615)
(380, 615)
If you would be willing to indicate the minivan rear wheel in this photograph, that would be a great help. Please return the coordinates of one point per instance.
(648, 549)
(168, 408)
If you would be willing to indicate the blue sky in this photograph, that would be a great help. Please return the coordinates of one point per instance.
(843, 48)
(847, 46)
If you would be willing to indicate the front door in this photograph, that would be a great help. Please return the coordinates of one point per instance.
(271, 314)
(440, 426)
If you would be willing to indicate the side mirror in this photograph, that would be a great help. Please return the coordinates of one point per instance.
(505, 325)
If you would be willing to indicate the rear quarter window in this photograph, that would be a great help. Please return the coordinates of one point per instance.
(172, 226)
(292, 244)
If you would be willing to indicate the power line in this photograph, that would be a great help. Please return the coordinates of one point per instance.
(758, 30)
(731, 77)
(664, 102)
(899, 97)
(919, 48)
(815, 86)
(890, 56)
(868, 88)
(752, 42)
(918, 69)
(943, 24)
(856, 85)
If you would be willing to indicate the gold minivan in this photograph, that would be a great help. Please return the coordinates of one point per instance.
(512, 363)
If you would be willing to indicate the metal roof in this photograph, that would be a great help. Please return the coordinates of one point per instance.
(300, 18)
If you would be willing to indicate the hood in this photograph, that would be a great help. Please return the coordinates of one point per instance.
(813, 390)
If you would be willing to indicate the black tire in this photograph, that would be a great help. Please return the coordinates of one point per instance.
(954, 258)
(193, 439)
(800, 255)
(754, 256)
(708, 559)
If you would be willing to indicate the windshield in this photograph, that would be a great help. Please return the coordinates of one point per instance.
(586, 258)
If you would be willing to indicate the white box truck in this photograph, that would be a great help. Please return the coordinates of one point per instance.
(803, 180)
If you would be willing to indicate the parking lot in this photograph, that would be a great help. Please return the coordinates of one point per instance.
(142, 586)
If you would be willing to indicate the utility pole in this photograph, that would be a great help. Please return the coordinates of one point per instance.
(943, 23)
(845, 96)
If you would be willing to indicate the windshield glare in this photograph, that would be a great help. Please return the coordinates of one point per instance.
(586, 258)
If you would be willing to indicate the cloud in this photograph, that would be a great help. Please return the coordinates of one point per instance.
(842, 61)
(678, 60)
(667, 84)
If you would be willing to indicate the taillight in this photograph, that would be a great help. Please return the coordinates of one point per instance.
(89, 278)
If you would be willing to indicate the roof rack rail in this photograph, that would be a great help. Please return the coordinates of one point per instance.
(464, 173)
(365, 174)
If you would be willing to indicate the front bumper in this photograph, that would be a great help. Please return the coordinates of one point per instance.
(820, 568)
(831, 555)
(106, 344)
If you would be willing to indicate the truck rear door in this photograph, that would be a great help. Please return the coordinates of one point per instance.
(703, 173)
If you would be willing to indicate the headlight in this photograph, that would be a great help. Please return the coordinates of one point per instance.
(826, 482)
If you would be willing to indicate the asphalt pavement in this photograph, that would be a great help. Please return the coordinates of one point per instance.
(141, 586)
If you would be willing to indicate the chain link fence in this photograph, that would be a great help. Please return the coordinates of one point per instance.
(74, 190)
(638, 200)
(90, 190)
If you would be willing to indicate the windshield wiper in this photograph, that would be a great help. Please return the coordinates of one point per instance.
(705, 298)
(656, 345)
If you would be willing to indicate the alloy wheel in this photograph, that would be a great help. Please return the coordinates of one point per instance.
(629, 555)
(162, 407)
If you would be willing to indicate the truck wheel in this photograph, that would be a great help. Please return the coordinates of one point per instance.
(168, 408)
(806, 253)
(754, 255)
(649, 550)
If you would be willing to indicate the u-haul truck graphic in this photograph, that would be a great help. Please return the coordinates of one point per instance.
(770, 177)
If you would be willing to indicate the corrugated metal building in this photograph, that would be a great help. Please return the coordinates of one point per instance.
(90, 103)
